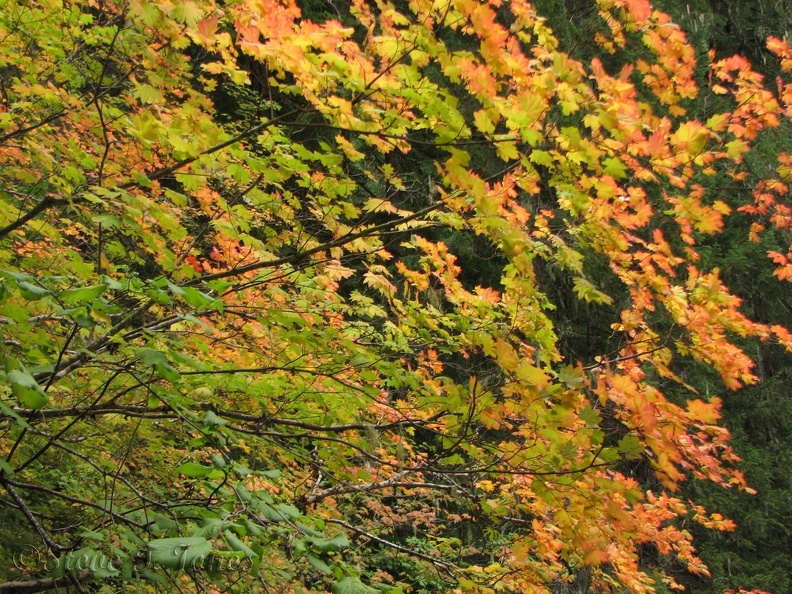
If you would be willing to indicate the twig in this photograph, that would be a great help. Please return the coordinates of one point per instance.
(450, 569)
(320, 248)
(43, 584)
(9, 485)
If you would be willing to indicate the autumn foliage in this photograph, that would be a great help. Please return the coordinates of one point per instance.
(235, 327)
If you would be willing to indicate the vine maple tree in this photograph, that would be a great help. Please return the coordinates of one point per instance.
(238, 351)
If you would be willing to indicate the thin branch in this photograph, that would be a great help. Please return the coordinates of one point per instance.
(77, 360)
(127, 482)
(68, 426)
(321, 248)
(62, 352)
(9, 485)
(450, 569)
(132, 410)
(55, 116)
(39, 124)
(33, 212)
(241, 194)
(165, 171)
(103, 125)
(43, 584)
(607, 361)
(160, 173)
(368, 487)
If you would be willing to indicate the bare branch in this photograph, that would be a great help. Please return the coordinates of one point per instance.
(447, 567)
(43, 584)
(9, 485)
(393, 482)
(87, 352)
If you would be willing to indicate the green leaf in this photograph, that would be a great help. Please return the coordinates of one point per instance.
(179, 553)
(571, 376)
(9, 412)
(278, 513)
(483, 123)
(588, 292)
(112, 284)
(288, 511)
(608, 455)
(317, 563)
(212, 420)
(541, 158)
(615, 168)
(159, 361)
(155, 577)
(17, 276)
(167, 372)
(195, 298)
(32, 292)
(235, 543)
(308, 530)
(253, 528)
(590, 416)
(147, 94)
(153, 357)
(158, 296)
(177, 198)
(26, 389)
(146, 127)
(329, 545)
(6, 467)
(194, 320)
(210, 527)
(187, 13)
(507, 150)
(241, 469)
(631, 447)
(351, 585)
(81, 295)
(193, 470)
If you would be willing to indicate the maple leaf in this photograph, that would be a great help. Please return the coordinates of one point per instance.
(270, 262)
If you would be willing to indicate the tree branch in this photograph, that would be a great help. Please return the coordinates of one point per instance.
(9, 485)
(450, 569)
(392, 482)
(320, 248)
(165, 171)
(33, 212)
(132, 410)
(43, 584)
(74, 362)
(159, 174)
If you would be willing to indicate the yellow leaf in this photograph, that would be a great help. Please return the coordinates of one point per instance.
(483, 122)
